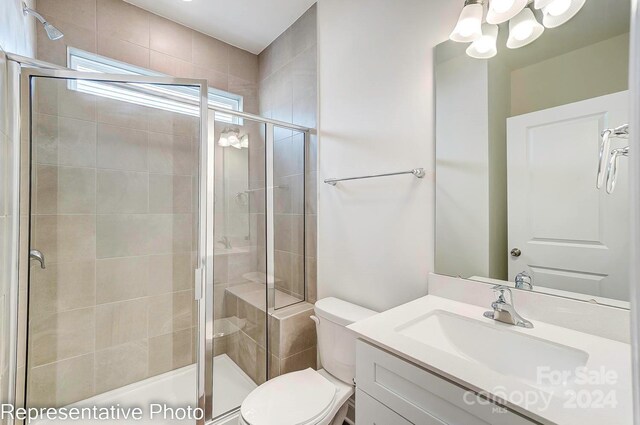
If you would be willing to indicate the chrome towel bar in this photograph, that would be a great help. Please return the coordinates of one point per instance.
(417, 172)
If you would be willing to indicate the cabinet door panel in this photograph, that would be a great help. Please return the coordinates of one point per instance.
(371, 412)
(420, 396)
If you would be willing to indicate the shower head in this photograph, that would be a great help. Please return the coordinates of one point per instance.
(52, 32)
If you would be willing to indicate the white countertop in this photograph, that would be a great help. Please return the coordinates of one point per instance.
(604, 355)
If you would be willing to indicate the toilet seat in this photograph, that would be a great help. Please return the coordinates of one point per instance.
(297, 398)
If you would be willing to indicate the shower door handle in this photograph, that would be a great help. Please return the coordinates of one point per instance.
(199, 283)
(39, 256)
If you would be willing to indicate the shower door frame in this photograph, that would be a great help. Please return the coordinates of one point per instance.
(203, 274)
(21, 71)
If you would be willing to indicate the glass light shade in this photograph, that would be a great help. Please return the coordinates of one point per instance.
(539, 4)
(559, 12)
(244, 141)
(223, 140)
(523, 29)
(234, 140)
(485, 46)
(502, 10)
(469, 26)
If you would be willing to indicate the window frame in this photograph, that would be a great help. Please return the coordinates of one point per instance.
(83, 61)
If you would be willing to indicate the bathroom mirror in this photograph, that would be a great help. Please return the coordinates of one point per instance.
(523, 194)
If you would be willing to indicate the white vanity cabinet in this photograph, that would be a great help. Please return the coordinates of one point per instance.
(392, 391)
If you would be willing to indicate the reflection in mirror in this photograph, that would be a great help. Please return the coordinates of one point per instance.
(232, 191)
(531, 159)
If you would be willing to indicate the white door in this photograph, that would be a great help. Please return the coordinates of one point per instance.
(571, 235)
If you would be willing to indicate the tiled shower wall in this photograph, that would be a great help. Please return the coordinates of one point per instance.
(118, 30)
(114, 210)
(288, 92)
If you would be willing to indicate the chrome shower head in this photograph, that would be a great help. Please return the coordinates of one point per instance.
(52, 32)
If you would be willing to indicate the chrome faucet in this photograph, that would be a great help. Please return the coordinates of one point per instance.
(524, 281)
(226, 242)
(503, 309)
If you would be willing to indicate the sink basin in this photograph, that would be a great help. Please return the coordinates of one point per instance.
(495, 346)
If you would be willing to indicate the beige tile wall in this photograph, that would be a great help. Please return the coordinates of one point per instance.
(124, 32)
(284, 77)
(288, 92)
(291, 334)
(114, 214)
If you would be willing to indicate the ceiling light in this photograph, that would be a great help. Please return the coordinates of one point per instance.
(502, 10)
(523, 29)
(469, 26)
(485, 46)
(558, 12)
(224, 140)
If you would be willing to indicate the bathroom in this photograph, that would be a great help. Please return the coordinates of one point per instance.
(319, 212)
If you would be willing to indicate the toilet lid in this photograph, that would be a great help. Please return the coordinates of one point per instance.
(294, 399)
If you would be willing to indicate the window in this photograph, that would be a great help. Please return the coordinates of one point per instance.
(173, 98)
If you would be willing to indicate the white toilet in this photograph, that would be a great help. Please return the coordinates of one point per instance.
(308, 396)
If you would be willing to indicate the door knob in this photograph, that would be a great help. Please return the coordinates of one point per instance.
(37, 255)
(515, 252)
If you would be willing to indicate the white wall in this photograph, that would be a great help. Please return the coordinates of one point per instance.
(375, 71)
(17, 32)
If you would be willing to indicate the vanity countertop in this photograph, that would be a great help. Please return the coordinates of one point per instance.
(429, 332)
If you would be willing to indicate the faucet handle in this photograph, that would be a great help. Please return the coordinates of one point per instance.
(500, 291)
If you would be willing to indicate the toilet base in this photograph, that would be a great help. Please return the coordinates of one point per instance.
(341, 415)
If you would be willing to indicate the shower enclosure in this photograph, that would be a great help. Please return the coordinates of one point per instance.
(158, 236)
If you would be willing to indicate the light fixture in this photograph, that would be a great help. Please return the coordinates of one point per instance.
(231, 138)
(224, 140)
(234, 138)
(524, 29)
(558, 12)
(469, 26)
(244, 141)
(485, 46)
(502, 10)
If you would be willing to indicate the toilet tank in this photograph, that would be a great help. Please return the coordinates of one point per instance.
(336, 343)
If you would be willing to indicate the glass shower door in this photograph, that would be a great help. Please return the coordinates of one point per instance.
(240, 327)
(117, 240)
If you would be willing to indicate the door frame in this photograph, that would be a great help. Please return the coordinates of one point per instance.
(203, 286)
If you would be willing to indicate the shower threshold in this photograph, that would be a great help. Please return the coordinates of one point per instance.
(175, 389)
